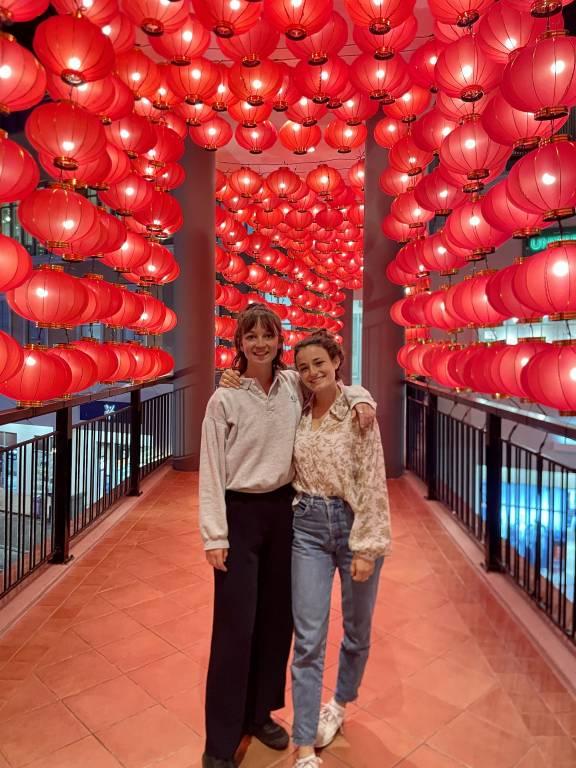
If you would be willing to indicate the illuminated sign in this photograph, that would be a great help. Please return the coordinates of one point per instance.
(540, 242)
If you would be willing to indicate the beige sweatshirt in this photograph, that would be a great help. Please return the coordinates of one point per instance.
(247, 444)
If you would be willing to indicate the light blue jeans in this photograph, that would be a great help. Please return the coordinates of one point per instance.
(321, 533)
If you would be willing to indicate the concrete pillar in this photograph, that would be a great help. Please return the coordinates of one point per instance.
(381, 338)
(347, 333)
(193, 338)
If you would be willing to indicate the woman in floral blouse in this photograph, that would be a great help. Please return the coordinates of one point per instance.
(341, 521)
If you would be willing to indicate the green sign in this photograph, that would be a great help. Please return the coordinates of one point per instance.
(540, 242)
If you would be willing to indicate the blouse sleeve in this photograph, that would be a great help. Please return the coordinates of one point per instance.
(370, 536)
(212, 482)
(356, 394)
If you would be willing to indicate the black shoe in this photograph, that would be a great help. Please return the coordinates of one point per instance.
(216, 762)
(271, 734)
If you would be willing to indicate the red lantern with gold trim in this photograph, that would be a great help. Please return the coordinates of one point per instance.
(49, 297)
(227, 19)
(23, 81)
(211, 135)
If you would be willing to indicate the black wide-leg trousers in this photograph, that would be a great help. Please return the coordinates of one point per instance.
(252, 625)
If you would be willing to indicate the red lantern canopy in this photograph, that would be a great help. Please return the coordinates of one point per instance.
(15, 264)
(504, 29)
(211, 135)
(287, 93)
(397, 230)
(226, 19)
(384, 47)
(251, 47)
(19, 173)
(130, 310)
(121, 33)
(49, 297)
(355, 215)
(306, 112)
(437, 314)
(283, 183)
(162, 216)
(57, 217)
(507, 125)
(138, 72)
(128, 196)
(95, 96)
(299, 138)
(467, 228)
(457, 110)
(68, 134)
(463, 13)
(406, 157)
(155, 17)
(74, 48)
(245, 181)
(407, 210)
(500, 293)
(22, 10)
(324, 83)
(500, 212)
(23, 81)
(410, 104)
(357, 109)
(107, 296)
(324, 180)
(131, 254)
(11, 356)
(378, 15)
(544, 180)
(248, 115)
(389, 131)
(344, 138)
(436, 195)
(83, 370)
(439, 256)
(511, 362)
(316, 48)
(469, 301)
(255, 84)
(98, 11)
(187, 41)
(298, 20)
(541, 78)
(546, 282)
(464, 71)
(196, 81)
(158, 263)
(122, 102)
(398, 276)
(101, 355)
(257, 139)
(381, 80)
(133, 134)
(550, 375)
(41, 377)
(469, 151)
(422, 64)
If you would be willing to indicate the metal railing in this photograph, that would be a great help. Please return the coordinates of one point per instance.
(55, 486)
(518, 504)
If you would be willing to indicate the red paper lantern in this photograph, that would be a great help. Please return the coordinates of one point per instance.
(95, 96)
(463, 13)
(511, 362)
(436, 195)
(162, 216)
(504, 29)
(168, 323)
(398, 276)
(457, 110)
(379, 15)
(546, 282)
(469, 151)
(41, 377)
(541, 78)
(469, 301)
(406, 157)
(544, 180)
(397, 230)
(121, 33)
(357, 109)
(19, 173)
(344, 138)
(437, 314)
(389, 131)
(188, 40)
(245, 181)
(299, 138)
(122, 100)
(23, 81)
(74, 48)
(108, 296)
(464, 71)
(226, 19)
(83, 369)
(410, 104)
(257, 139)
(324, 180)
(131, 254)
(467, 228)
(128, 196)
(98, 11)
(325, 83)
(138, 72)
(386, 46)
(283, 182)
(251, 47)
(381, 80)
(130, 310)
(550, 375)
(68, 134)
(447, 33)
(407, 210)
(155, 17)
(101, 355)
(423, 62)
(11, 356)
(49, 297)
(316, 48)
(500, 293)
(133, 134)
(500, 212)
(248, 115)
(57, 217)
(22, 10)
(298, 19)
(15, 264)
(153, 313)
(287, 93)
(158, 263)
(211, 135)
(507, 125)
(306, 112)
(255, 84)
(409, 258)
(438, 255)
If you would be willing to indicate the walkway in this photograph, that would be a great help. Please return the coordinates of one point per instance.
(107, 669)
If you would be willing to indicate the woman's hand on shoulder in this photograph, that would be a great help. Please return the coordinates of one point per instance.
(365, 415)
(230, 379)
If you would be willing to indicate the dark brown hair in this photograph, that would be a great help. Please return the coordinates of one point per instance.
(247, 320)
(325, 340)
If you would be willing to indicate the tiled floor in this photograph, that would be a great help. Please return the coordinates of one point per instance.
(107, 669)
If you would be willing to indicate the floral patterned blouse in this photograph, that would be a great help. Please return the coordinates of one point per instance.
(338, 459)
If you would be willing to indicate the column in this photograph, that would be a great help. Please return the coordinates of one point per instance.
(381, 338)
(347, 336)
(193, 338)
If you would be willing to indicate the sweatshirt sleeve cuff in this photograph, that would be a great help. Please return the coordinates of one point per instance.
(217, 544)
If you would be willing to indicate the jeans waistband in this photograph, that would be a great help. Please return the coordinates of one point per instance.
(312, 497)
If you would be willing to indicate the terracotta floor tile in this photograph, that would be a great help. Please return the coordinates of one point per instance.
(136, 651)
(30, 695)
(169, 676)
(560, 751)
(87, 753)
(153, 612)
(109, 703)
(478, 744)
(189, 707)
(147, 737)
(174, 579)
(426, 757)
(183, 631)
(533, 759)
(445, 679)
(131, 594)
(76, 674)
(53, 727)
(431, 638)
(497, 708)
(367, 742)
(106, 629)
(413, 711)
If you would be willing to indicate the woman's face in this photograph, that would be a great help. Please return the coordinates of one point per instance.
(260, 345)
(315, 367)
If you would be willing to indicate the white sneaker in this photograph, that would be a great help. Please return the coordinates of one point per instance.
(331, 719)
(312, 761)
